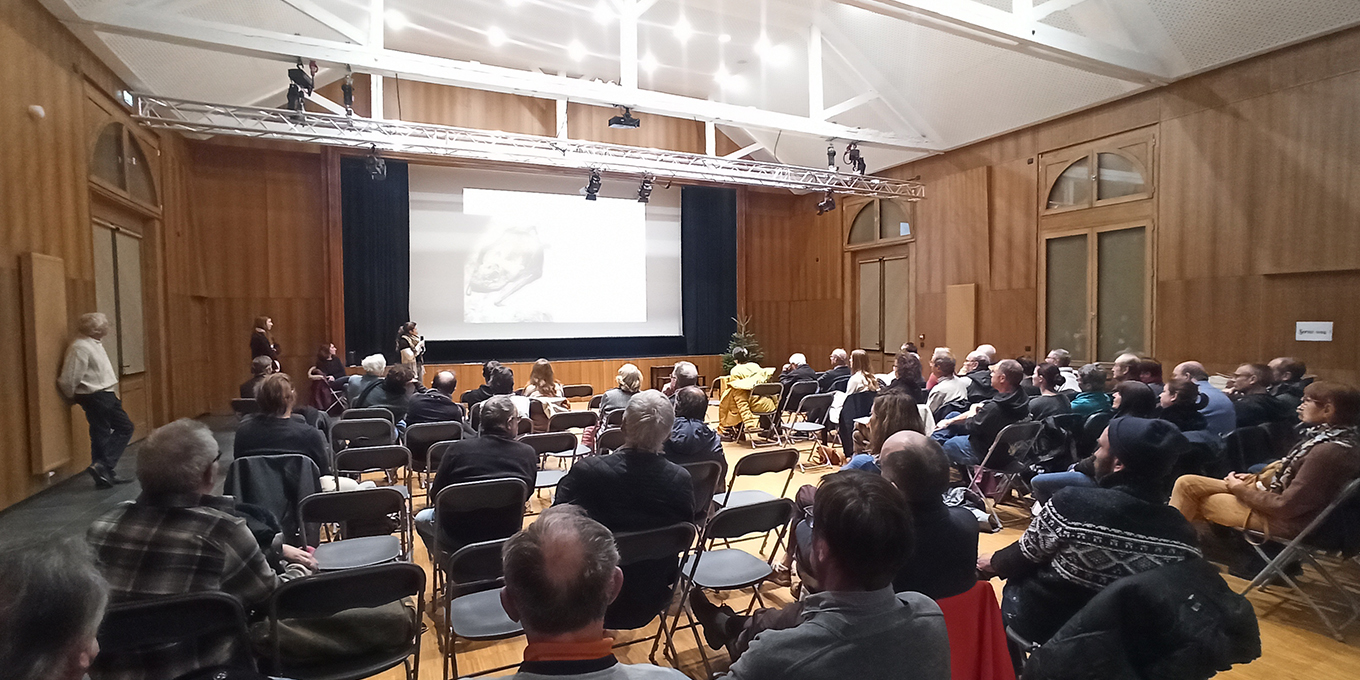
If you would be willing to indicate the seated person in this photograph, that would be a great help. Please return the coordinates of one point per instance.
(544, 387)
(1063, 360)
(1134, 398)
(178, 538)
(1150, 372)
(977, 367)
(1027, 385)
(1219, 412)
(393, 394)
(1050, 402)
(907, 376)
(796, 371)
(1084, 539)
(1288, 381)
(436, 404)
(735, 404)
(967, 437)
(1092, 397)
(691, 440)
(944, 563)
(856, 627)
(484, 392)
(683, 374)
(51, 601)
(628, 382)
(495, 454)
(375, 367)
(1252, 400)
(948, 389)
(561, 574)
(275, 430)
(328, 373)
(1127, 366)
(892, 412)
(1290, 492)
(840, 368)
(260, 367)
(633, 489)
(862, 378)
(1180, 405)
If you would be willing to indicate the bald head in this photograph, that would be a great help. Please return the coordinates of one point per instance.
(839, 357)
(916, 465)
(1126, 367)
(561, 573)
(1190, 370)
(987, 350)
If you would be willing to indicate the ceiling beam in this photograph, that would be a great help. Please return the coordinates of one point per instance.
(328, 19)
(976, 21)
(385, 62)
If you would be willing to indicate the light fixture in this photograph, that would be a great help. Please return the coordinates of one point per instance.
(593, 186)
(495, 36)
(299, 85)
(682, 30)
(395, 20)
(648, 62)
(626, 121)
(645, 189)
(724, 38)
(854, 158)
(828, 204)
(576, 50)
(348, 90)
(830, 156)
(376, 166)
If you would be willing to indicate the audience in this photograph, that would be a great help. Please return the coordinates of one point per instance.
(393, 393)
(892, 412)
(326, 374)
(1027, 366)
(561, 574)
(862, 378)
(629, 382)
(178, 538)
(482, 393)
(1127, 366)
(840, 368)
(988, 351)
(1050, 402)
(1085, 539)
(944, 563)
(977, 367)
(939, 353)
(375, 367)
(856, 627)
(436, 404)
(1134, 398)
(967, 437)
(1180, 405)
(260, 367)
(495, 454)
(796, 370)
(51, 601)
(1291, 491)
(691, 440)
(907, 376)
(683, 374)
(1063, 360)
(1219, 413)
(735, 404)
(274, 429)
(1252, 400)
(633, 489)
(1092, 398)
(1287, 374)
(950, 391)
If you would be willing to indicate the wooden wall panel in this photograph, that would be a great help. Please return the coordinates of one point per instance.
(461, 107)
(657, 132)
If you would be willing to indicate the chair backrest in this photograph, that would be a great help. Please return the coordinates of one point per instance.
(716, 388)
(705, 476)
(471, 512)
(572, 419)
(595, 402)
(475, 566)
(816, 407)
(339, 507)
(614, 418)
(609, 440)
(1072, 423)
(420, 436)
(544, 443)
(741, 520)
(769, 389)
(475, 415)
(654, 544)
(245, 407)
(1090, 431)
(362, 432)
(577, 391)
(372, 458)
(164, 623)
(761, 462)
(277, 483)
(375, 412)
(1006, 440)
(798, 390)
(840, 384)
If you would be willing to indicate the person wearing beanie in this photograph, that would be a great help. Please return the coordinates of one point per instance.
(1085, 539)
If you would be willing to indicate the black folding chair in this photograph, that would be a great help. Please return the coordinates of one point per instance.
(577, 391)
(134, 632)
(794, 395)
(362, 518)
(244, 407)
(704, 476)
(669, 542)
(1000, 461)
(257, 479)
(758, 463)
(421, 436)
(472, 512)
(371, 412)
(1090, 432)
(472, 603)
(775, 391)
(559, 445)
(362, 432)
(612, 418)
(324, 595)
(609, 441)
(810, 424)
(574, 420)
(595, 402)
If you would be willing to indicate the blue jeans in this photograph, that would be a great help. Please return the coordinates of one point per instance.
(959, 450)
(863, 461)
(110, 428)
(1047, 484)
(424, 522)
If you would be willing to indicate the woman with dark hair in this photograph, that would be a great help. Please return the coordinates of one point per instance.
(892, 412)
(1150, 372)
(1048, 379)
(1180, 404)
(328, 373)
(262, 342)
(907, 376)
(411, 348)
(1134, 398)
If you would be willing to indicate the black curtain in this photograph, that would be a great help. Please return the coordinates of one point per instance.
(708, 237)
(376, 221)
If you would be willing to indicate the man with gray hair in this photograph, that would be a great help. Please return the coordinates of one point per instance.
(561, 574)
(88, 379)
(634, 489)
(797, 370)
(1063, 360)
(51, 601)
(840, 368)
(375, 368)
(683, 374)
(966, 437)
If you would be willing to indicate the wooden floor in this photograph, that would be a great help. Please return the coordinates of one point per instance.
(1294, 643)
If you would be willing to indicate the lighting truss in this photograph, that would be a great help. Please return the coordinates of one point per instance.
(503, 147)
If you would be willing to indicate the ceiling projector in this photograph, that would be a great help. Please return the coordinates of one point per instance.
(626, 121)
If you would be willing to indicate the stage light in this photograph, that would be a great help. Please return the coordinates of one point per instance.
(593, 186)
(645, 189)
(724, 38)
(828, 204)
(683, 31)
(300, 84)
(830, 156)
(626, 121)
(376, 166)
(854, 158)
(348, 90)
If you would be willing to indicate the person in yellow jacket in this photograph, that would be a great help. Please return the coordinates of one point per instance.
(736, 403)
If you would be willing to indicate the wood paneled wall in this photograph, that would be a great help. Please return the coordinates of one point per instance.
(598, 373)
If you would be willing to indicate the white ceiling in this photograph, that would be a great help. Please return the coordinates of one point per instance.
(949, 81)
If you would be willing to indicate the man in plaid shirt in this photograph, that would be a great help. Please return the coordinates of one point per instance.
(178, 538)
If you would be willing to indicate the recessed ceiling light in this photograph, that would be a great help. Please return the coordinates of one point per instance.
(648, 62)
(727, 81)
(771, 53)
(495, 36)
(603, 13)
(576, 50)
(683, 31)
(724, 38)
(395, 20)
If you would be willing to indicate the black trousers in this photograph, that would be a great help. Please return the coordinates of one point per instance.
(110, 427)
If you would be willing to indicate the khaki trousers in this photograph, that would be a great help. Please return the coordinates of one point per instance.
(735, 408)
(1209, 499)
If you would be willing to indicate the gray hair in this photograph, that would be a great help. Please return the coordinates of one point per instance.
(1091, 378)
(1063, 357)
(499, 416)
(797, 359)
(685, 374)
(647, 421)
(175, 457)
(558, 571)
(375, 364)
(51, 600)
(91, 322)
(840, 357)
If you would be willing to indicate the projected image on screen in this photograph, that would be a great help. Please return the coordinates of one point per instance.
(528, 266)
(502, 255)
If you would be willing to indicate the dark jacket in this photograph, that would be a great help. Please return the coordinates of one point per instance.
(614, 399)
(432, 406)
(277, 484)
(913, 386)
(996, 413)
(693, 441)
(248, 387)
(1176, 622)
(355, 386)
(1259, 409)
(379, 397)
(1041, 407)
(485, 457)
(826, 379)
(476, 395)
(944, 562)
(788, 378)
(261, 347)
(260, 433)
(1291, 393)
(632, 491)
(1186, 417)
(980, 388)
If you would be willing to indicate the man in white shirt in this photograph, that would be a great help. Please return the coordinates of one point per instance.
(87, 377)
(948, 387)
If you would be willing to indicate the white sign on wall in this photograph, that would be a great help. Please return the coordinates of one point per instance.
(1313, 331)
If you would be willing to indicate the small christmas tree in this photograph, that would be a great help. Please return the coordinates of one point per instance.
(742, 338)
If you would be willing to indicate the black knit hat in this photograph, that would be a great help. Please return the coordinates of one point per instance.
(1147, 447)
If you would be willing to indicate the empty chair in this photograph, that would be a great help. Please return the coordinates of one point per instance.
(373, 412)
(1001, 463)
(421, 436)
(140, 634)
(705, 475)
(663, 543)
(560, 445)
(386, 459)
(1090, 432)
(595, 402)
(614, 418)
(577, 391)
(472, 602)
(244, 407)
(364, 534)
(810, 420)
(758, 463)
(471, 512)
(574, 420)
(325, 595)
(609, 441)
(362, 432)
(794, 396)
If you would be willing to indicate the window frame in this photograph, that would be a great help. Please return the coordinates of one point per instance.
(1136, 146)
(852, 206)
(1092, 234)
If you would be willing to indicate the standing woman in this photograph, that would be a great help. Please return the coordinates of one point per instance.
(862, 378)
(262, 340)
(411, 347)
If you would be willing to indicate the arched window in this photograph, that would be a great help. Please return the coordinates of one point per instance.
(119, 163)
(1117, 177)
(882, 220)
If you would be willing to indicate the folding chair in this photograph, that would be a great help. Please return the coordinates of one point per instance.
(1001, 463)
(472, 603)
(705, 476)
(278, 483)
(776, 391)
(609, 441)
(362, 432)
(758, 463)
(375, 412)
(813, 410)
(669, 542)
(1306, 547)
(794, 396)
(577, 391)
(361, 516)
(560, 445)
(420, 437)
(324, 595)
(574, 420)
(472, 512)
(731, 568)
(244, 407)
(475, 416)
(613, 418)
(715, 393)
(131, 633)
(595, 402)
(386, 459)
(1090, 432)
